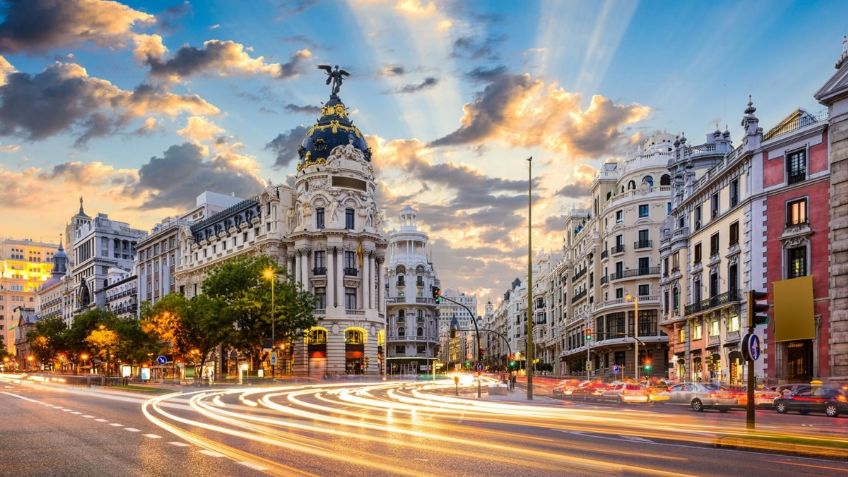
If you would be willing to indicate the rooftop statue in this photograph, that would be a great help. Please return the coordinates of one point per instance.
(334, 76)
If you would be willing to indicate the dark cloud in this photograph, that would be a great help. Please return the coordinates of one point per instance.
(285, 146)
(288, 8)
(392, 70)
(39, 25)
(555, 223)
(175, 179)
(303, 108)
(294, 66)
(474, 49)
(63, 97)
(171, 18)
(427, 83)
(576, 190)
(486, 75)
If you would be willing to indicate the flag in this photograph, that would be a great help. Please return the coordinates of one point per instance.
(360, 254)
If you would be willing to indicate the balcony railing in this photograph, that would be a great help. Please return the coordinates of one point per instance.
(580, 273)
(604, 279)
(351, 272)
(712, 302)
(617, 249)
(604, 254)
(319, 270)
(635, 273)
(579, 296)
(643, 244)
(425, 300)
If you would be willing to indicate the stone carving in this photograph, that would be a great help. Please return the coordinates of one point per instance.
(305, 213)
(290, 218)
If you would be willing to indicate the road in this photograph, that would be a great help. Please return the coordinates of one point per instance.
(384, 428)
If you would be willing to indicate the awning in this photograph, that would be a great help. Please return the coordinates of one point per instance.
(793, 309)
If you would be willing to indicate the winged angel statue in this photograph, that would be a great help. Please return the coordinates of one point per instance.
(334, 76)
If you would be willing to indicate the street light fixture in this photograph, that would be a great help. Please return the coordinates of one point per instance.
(271, 276)
(84, 358)
(635, 300)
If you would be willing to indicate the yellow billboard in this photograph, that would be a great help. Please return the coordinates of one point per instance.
(793, 309)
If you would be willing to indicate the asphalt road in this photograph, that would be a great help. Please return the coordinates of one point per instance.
(374, 429)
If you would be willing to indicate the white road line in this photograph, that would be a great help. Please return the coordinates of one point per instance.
(115, 424)
(101, 420)
(152, 436)
(76, 412)
(88, 416)
(637, 439)
(211, 453)
(132, 429)
(178, 444)
(253, 465)
(68, 410)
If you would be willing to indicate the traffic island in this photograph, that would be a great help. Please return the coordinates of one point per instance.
(800, 446)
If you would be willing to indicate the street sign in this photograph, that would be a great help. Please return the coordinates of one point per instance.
(751, 347)
(274, 359)
(162, 359)
(616, 369)
(479, 367)
(588, 365)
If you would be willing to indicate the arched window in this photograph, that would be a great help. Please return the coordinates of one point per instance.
(665, 180)
(649, 180)
(401, 315)
(401, 330)
(420, 331)
(317, 336)
(631, 185)
(354, 337)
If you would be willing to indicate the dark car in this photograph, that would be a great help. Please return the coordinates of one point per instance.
(831, 401)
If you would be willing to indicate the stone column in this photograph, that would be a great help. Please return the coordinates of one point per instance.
(297, 267)
(340, 278)
(366, 282)
(304, 266)
(329, 292)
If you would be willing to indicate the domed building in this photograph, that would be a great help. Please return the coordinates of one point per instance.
(55, 294)
(336, 248)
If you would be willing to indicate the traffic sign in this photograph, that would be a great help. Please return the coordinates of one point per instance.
(751, 347)
(162, 359)
(479, 367)
(616, 368)
(274, 359)
(588, 365)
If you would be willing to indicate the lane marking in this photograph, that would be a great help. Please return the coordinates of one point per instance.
(88, 416)
(76, 412)
(115, 424)
(68, 410)
(152, 436)
(211, 453)
(637, 439)
(178, 444)
(252, 465)
(101, 420)
(132, 429)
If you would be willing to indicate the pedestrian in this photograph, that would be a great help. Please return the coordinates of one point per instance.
(512, 382)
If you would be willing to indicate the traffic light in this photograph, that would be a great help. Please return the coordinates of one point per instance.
(648, 365)
(437, 295)
(453, 327)
(512, 365)
(588, 334)
(757, 312)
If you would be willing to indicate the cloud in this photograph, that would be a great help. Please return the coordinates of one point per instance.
(9, 148)
(63, 97)
(216, 57)
(175, 179)
(199, 129)
(576, 190)
(427, 83)
(473, 49)
(486, 75)
(416, 8)
(290, 8)
(303, 108)
(285, 146)
(526, 112)
(170, 19)
(392, 70)
(39, 25)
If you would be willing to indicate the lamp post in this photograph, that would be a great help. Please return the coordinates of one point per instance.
(530, 317)
(30, 359)
(84, 358)
(272, 277)
(635, 300)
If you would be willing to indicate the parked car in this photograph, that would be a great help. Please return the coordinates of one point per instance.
(701, 396)
(763, 397)
(625, 393)
(831, 401)
(657, 392)
(566, 387)
(787, 390)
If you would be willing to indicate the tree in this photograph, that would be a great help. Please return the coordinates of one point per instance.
(244, 300)
(48, 337)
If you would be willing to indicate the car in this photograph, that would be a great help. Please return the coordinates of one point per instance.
(700, 396)
(829, 400)
(763, 397)
(588, 390)
(625, 393)
(565, 388)
(657, 392)
(787, 390)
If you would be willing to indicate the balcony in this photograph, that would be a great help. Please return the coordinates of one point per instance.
(419, 282)
(351, 272)
(732, 336)
(604, 280)
(618, 249)
(579, 274)
(319, 270)
(604, 254)
(713, 340)
(579, 296)
(638, 272)
(713, 302)
(425, 300)
(643, 244)
(796, 178)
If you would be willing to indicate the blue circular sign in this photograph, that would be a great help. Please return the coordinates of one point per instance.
(479, 366)
(161, 359)
(616, 368)
(754, 347)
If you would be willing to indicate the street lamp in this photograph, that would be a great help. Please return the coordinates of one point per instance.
(530, 317)
(84, 358)
(30, 359)
(269, 275)
(635, 301)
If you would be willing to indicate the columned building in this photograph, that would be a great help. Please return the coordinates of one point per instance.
(458, 350)
(51, 297)
(412, 327)
(121, 293)
(834, 95)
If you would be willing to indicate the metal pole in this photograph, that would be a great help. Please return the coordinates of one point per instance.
(588, 358)
(750, 415)
(476, 332)
(273, 331)
(529, 350)
(636, 335)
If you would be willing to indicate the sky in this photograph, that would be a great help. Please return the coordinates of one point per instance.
(140, 106)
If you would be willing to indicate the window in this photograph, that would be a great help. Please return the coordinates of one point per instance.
(675, 261)
(714, 245)
(350, 298)
(714, 205)
(350, 259)
(733, 323)
(675, 295)
(619, 293)
(665, 302)
(714, 327)
(400, 350)
(697, 253)
(644, 210)
(698, 218)
(619, 216)
(796, 260)
(665, 267)
(644, 290)
(796, 212)
(734, 192)
(796, 167)
(644, 238)
(681, 335)
(419, 331)
(401, 330)
(349, 223)
(318, 257)
(668, 208)
(734, 233)
(644, 265)
(319, 217)
(320, 298)
(697, 331)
